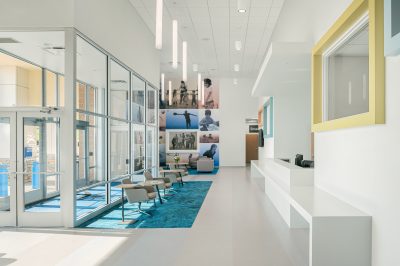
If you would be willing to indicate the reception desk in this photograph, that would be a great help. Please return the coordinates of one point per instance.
(339, 234)
(280, 179)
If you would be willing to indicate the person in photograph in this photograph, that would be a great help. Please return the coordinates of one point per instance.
(175, 97)
(174, 142)
(192, 145)
(187, 115)
(211, 152)
(207, 121)
(194, 98)
(183, 92)
(209, 101)
(182, 141)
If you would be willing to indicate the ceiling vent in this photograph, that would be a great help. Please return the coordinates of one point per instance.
(8, 40)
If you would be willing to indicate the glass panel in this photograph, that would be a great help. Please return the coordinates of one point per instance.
(90, 164)
(61, 90)
(90, 129)
(20, 83)
(92, 76)
(119, 148)
(151, 106)
(40, 152)
(138, 147)
(151, 147)
(5, 157)
(21, 80)
(119, 91)
(51, 88)
(138, 88)
(346, 77)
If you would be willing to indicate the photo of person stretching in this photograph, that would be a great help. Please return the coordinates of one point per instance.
(187, 115)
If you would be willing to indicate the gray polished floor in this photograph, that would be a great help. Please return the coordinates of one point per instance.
(237, 225)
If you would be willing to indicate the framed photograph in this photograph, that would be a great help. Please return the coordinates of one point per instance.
(182, 119)
(269, 118)
(209, 120)
(209, 137)
(210, 95)
(392, 27)
(210, 150)
(163, 120)
(184, 157)
(182, 141)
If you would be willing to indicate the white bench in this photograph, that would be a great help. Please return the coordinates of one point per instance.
(340, 235)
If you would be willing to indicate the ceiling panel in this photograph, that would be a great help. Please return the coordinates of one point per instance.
(211, 28)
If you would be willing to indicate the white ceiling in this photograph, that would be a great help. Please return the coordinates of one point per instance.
(211, 28)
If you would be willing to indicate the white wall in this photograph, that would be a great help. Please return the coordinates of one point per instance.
(360, 165)
(292, 124)
(236, 105)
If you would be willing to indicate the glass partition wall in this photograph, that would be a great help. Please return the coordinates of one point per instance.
(77, 119)
(111, 121)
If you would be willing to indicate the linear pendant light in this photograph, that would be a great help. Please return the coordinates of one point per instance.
(170, 92)
(199, 85)
(184, 61)
(162, 87)
(175, 44)
(159, 22)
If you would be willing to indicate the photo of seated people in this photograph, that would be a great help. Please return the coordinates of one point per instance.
(209, 138)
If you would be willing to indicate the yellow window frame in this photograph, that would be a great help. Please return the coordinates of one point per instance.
(376, 113)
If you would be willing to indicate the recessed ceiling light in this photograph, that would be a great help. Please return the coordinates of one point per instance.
(195, 67)
(235, 81)
(236, 67)
(242, 6)
(238, 45)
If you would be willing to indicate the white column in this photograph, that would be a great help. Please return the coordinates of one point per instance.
(67, 133)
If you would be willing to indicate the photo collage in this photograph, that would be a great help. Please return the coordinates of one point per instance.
(189, 125)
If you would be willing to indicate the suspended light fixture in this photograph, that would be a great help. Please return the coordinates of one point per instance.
(236, 67)
(162, 87)
(170, 92)
(199, 85)
(175, 44)
(184, 61)
(159, 18)
(238, 45)
(242, 6)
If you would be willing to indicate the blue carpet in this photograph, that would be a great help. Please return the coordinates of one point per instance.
(179, 211)
(194, 172)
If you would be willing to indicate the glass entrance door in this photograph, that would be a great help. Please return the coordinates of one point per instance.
(34, 179)
(8, 168)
